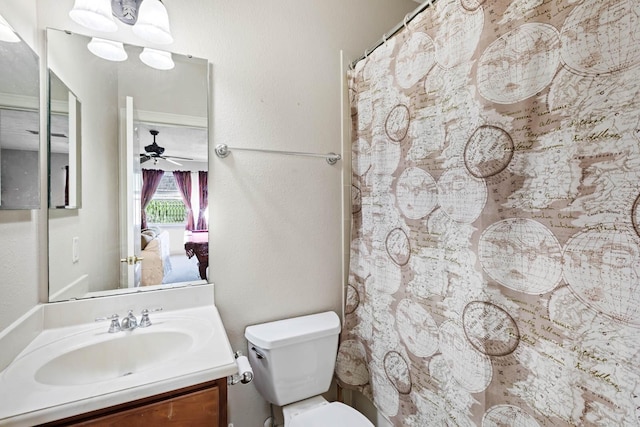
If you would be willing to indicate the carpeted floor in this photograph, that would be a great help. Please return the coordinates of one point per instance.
(183, 269)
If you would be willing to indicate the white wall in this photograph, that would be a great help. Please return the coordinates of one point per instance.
(19, 240)
(276, 248)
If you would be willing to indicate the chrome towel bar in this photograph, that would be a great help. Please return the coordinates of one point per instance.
(222, 151)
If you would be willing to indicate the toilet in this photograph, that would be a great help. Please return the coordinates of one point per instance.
(293, 362)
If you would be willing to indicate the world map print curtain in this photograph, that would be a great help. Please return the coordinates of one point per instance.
(495, 254)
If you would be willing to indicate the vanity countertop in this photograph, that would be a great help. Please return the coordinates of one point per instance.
(196, 345)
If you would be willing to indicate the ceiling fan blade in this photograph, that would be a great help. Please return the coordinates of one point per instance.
(172, 161)
(144, 158)
(178, 157)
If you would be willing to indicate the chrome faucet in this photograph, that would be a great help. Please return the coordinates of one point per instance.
(144, 320)
(129, 323)
(114, 326)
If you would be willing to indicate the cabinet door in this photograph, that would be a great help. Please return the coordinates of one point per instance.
(196, 409)
(198, 405)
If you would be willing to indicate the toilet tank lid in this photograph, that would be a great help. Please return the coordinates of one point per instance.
(289, 331)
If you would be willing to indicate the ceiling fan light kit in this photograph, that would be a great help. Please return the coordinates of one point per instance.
(155, 152)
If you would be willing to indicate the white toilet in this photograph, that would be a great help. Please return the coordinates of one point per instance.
(293, 362)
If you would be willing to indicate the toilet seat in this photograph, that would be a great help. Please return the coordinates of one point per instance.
(333, 414)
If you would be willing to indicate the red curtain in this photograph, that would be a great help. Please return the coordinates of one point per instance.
(204, 200)
(183, 180)
(150, 181)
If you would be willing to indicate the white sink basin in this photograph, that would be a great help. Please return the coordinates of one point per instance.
(78, 368)
(117, 357)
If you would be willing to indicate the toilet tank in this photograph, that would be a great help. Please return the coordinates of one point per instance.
(293, 359)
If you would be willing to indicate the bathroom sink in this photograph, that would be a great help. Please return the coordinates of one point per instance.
(89, 356)
(73, 365)
(117, 357)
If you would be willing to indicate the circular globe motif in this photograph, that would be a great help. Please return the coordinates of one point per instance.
(385, 156)
(416, 193)
(490, 329)
(635, 215)
(398, 246)
(470, 368)
(601, 37)
(361, 156)
(471, 5)
(602, 268)
(521, 254)
(398, 373)
(356, 199)
(519, 64)
(414, 60)
(461, 196)
(417, 328)
(397, 123)
(457, 41)
(350, 366)
(352, 301)
(507, 415)
(488, 152)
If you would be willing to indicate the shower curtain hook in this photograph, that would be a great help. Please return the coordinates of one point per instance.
(366, 53)
(406, 18)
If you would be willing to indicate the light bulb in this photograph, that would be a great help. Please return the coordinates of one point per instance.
(107, 49)
(153, 23)
(158, 59)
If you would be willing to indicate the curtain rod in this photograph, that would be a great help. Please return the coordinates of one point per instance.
(407, 18)
(222, 151)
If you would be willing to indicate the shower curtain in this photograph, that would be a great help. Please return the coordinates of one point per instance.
(495, 254)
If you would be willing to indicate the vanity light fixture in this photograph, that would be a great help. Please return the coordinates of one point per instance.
(6, 32)
(153, 23)
(158, 59)
(149, 18)
(107, 49)
(94, 14)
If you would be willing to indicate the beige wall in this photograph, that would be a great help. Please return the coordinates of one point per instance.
(276, 243)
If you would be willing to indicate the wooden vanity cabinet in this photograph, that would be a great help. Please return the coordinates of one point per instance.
(200, 405)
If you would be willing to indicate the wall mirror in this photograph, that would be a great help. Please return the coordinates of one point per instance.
(19, 125)
(143, 169)
(65, 114)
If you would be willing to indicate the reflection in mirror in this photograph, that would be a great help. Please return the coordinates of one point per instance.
(108, 246)
(19, 125)
(64, 145)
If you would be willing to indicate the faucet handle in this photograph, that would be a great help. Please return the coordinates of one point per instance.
(129, 322)
(144, 320)
(114, 326)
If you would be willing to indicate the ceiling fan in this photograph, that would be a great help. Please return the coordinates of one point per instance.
(155, 152)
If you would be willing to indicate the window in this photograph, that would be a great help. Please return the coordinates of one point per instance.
(167, 206)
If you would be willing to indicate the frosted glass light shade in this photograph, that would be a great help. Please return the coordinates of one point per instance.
(153, 23)
(158, 59)
(107, 49)
(6, 32)
(94, 14)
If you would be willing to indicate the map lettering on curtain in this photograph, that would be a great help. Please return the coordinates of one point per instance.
(495, 253)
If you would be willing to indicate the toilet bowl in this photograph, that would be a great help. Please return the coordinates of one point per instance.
(317, 412)
(293, 362)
